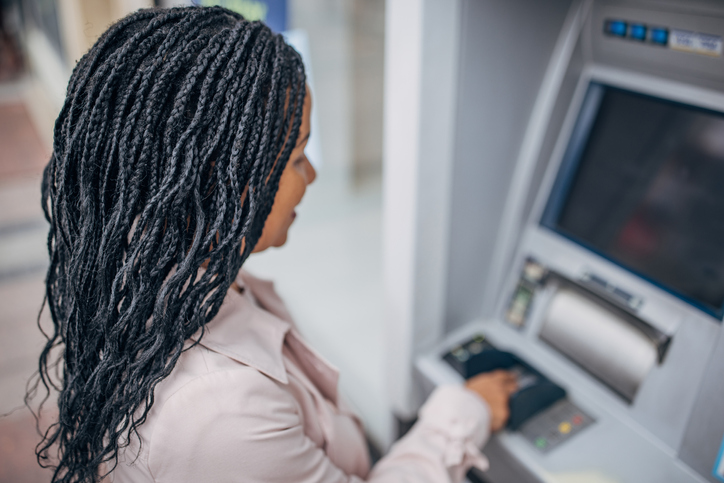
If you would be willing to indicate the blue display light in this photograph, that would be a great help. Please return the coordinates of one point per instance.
(616, 28)
(637, 31)
(659, 36)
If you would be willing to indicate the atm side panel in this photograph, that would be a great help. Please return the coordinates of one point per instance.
(704, 437)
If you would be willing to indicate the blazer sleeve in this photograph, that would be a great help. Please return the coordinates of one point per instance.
(241, 426)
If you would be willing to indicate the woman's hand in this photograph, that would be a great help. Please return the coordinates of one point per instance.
(495, 387)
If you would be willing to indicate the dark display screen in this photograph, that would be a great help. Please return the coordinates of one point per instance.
(642, 184)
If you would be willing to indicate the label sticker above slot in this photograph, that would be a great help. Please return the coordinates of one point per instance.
(697, 43)
(597, 283)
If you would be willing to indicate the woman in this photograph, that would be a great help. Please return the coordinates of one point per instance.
(179, 151)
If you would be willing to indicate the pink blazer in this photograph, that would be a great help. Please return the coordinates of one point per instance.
(254, 403)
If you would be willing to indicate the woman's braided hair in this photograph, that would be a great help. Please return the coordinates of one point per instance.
(167, 155)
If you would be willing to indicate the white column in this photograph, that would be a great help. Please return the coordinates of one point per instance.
(421, 54)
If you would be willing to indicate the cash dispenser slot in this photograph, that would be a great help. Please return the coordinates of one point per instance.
(619, 301)
(594, 324)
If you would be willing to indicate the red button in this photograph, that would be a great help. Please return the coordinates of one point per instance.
(577, 419)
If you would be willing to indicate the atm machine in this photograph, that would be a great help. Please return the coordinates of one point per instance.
(608, 278)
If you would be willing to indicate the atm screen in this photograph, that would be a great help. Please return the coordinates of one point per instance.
(642, 184)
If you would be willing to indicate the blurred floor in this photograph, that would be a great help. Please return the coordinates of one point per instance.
(22, 265)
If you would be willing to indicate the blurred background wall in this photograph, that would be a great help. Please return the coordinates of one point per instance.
(329, 273)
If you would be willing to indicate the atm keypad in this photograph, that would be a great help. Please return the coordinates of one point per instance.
(555, 425)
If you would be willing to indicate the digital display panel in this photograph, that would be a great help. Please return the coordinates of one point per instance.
(642, 184)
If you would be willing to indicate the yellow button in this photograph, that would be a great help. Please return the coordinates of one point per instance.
(564, 427)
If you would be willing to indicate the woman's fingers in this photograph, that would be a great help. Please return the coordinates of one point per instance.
(495, 388)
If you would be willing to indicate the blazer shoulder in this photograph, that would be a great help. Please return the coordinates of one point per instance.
(215, 412)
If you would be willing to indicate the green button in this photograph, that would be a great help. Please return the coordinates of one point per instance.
(541, 442)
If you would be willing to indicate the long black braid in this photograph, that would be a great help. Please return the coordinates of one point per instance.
(167, 155)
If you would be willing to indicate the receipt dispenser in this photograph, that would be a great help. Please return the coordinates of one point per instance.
(535, 392)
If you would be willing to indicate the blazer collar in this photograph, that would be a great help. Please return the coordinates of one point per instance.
(247, 333)
(251, 328)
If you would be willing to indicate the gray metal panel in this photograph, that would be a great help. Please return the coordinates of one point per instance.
(565, 96)
(705, 429)
(505, 48)
(504, 466)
